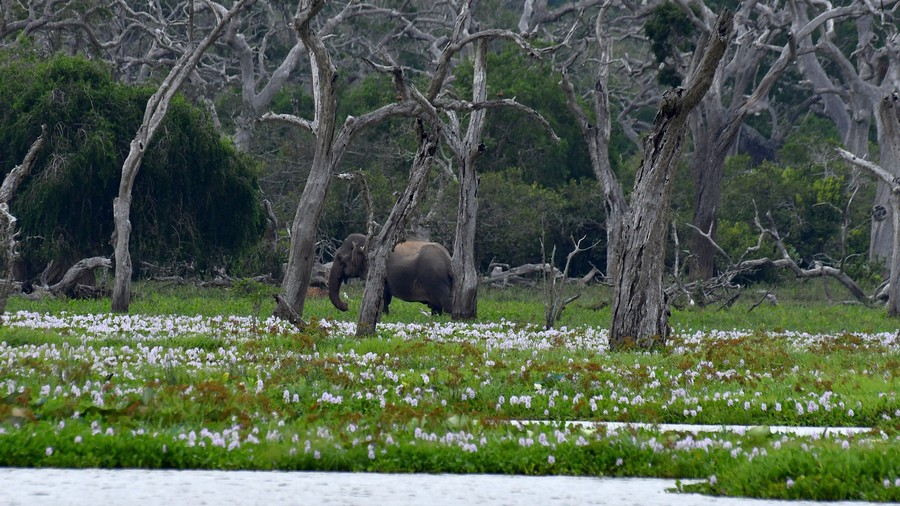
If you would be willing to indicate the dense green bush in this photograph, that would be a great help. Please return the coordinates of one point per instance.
(513, 138)
(195, 199)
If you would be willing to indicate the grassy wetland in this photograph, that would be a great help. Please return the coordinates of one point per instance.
(203, 378)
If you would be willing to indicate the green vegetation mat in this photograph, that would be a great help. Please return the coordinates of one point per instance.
(205, 379)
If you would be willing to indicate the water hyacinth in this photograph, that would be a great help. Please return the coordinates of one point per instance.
(208, 388)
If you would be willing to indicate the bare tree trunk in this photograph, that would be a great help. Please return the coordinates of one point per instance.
(301, 258)
(889, 119)
(380, 247)
(154, 113)
(465, 276)
(597, 138)
(707, 167)
(8, 222)
(640, 313)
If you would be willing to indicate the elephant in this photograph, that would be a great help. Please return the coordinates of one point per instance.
(417, 271)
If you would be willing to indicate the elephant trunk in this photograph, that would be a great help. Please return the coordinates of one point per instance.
(335, 278)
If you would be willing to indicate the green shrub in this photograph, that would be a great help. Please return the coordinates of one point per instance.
(195, 200)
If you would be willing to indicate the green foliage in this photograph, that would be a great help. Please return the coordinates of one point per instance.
(669, 30)
(513, 138)
(807, 195)
(515, 216)
(195, 199)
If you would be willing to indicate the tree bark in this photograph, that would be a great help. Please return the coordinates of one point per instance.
(154, 113)
(597, 138)
(380, 247)
(301, 258)
(8, 222)
(889, 118)
(465, 276)
(640, 310)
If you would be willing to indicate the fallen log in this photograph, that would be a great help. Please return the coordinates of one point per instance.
(516, 275)
(69, 281)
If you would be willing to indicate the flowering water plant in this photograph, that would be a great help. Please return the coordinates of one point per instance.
(242, 392)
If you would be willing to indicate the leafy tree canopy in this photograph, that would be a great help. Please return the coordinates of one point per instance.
(512, 137)
(195, 199)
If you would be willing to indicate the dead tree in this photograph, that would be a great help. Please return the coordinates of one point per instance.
(889, 116)
(737, 93)
(554, 283)
(502, 275)
(69, 286)
(724, 280)
(154, 113)
(596, 133)
(851, 83)
(8, 232)
(261, 79)
(379, 247)
(640, 312)
(467, 146)
(331, 143)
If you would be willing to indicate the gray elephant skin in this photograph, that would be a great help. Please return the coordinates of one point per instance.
(417, 271)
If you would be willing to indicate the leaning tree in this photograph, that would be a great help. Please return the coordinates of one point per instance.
(640, 312)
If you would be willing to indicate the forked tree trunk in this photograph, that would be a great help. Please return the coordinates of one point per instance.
(302, 255)
(640, 312)
(380, 246)
(154, 113)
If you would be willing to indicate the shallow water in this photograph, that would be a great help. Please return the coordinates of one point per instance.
(101, 487)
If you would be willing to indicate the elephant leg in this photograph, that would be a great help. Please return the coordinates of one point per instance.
(387, 301)
(436, 310)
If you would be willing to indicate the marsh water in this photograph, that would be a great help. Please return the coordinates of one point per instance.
(102, 487)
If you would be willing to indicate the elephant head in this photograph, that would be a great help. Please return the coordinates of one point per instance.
(416, 271)
(349, 262)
